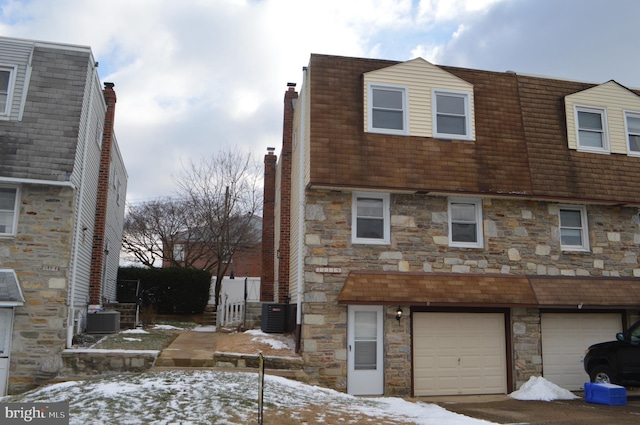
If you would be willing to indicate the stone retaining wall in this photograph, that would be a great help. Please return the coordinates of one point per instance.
(97, 362)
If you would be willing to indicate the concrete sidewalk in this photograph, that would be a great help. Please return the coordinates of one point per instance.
(190, 349)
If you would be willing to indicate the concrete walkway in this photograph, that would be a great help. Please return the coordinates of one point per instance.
(190, 349)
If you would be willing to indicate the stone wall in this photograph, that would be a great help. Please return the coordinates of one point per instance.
(80, 363)
(520, 237)
(40, 255)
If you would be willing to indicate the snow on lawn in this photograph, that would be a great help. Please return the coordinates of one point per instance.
(538, 388)
(275, 343)
(167, 328)
(134, 331)
(213, 397)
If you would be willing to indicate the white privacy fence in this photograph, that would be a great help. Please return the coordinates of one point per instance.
(233, 294)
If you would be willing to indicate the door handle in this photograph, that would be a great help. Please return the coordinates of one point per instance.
(349, 347)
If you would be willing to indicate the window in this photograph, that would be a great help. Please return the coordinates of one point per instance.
(465, 223)
(573, 228)
(178, 252)
(8, 209)
(370, 218)
(388, 109)
(592, 129)
(451, 115)
(6, 89)
(632, 121)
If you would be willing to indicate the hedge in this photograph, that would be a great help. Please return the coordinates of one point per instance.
(170, 290)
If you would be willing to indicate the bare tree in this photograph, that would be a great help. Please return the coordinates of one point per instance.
(151, 230)
(210, 219)
(223, 196)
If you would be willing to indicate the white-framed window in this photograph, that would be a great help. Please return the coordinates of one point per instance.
(451, 115)
(465, 223)
(388, 109)
(178, 252)
(370, 218)
(8, 210)
(7, 78)
(591, 128)
(632, 126)
(574, 232)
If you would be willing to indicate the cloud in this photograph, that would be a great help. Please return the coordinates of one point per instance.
(192, 76)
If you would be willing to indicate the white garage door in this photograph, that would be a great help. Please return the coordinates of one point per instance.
(565, 336)
(459, 353)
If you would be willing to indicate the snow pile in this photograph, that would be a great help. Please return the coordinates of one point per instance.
(278, 344)
(134, 331)
(167, 328)
(538, 388)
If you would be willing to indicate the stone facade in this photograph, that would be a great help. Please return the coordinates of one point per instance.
(40, 254)
(521, 237)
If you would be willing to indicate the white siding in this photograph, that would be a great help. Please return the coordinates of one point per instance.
(89, 140)
(420, 78)
(612, 97)
(115, 220)
(301, 147)
(17, 53)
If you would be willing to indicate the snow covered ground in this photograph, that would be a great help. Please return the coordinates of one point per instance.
(213, 397)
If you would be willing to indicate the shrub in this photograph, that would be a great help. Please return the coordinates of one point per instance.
(169, 290)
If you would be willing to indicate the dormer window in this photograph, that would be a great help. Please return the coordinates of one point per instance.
(591, 126)
(451, 115)
(632, 121)
(388, 109)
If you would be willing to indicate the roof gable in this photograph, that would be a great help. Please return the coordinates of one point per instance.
(612, 98)
(420, 78)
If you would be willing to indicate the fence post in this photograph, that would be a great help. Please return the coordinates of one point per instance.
(260, 387)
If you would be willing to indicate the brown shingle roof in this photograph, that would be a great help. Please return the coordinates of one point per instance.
(521, 145)
(586, 292)
(432, 289)
(456, 289)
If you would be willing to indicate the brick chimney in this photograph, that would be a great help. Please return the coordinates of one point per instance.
(267, 281)
(285, 194)
(98, 250)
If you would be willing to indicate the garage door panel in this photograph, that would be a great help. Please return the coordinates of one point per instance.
(565, 336)
(466, 353)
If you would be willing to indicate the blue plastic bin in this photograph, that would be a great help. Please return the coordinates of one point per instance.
(610, 394)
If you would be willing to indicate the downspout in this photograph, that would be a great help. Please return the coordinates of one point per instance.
(78, 229)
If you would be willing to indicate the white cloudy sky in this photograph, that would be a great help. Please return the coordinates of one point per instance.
(195, 75)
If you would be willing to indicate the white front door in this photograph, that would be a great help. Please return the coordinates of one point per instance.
(365, 372)
(6, 326)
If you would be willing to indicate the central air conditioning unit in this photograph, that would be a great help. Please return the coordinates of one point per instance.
(103, 322)
(274, 318)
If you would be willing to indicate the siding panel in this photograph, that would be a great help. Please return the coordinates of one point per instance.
(420, 77)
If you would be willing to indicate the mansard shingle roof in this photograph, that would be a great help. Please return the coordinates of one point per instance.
(521, 145)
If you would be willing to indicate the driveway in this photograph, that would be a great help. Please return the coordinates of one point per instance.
(504, 410)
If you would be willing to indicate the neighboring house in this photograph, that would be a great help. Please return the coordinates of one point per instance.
(62, 196)
(452, 231)
(187, 251)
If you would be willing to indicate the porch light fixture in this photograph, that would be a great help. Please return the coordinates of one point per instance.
(399, 313)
